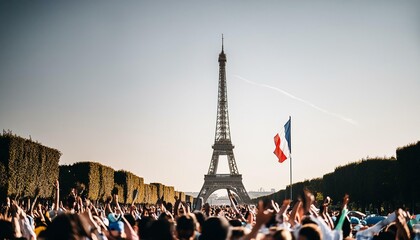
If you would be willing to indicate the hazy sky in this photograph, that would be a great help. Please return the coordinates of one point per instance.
(133, 84)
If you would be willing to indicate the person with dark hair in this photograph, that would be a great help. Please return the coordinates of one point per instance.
(185, 227)
(310, 231)
(144, 227)
(215, 228)
(161, 229)
(131, 220)
(200, 220)
(7, 230)
(235, 223)
(237, 233)
(67, 226)
(282, 234)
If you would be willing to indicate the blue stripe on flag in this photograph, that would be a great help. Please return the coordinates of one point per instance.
(287, 133)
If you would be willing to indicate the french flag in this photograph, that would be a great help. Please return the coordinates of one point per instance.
(283, 143)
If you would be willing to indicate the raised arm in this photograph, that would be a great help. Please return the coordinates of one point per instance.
(344, 212)
(57, 195)
(294, 213)
(136, 194)
(263, 216)
(403, 232)
(325, 214)
(31, 209)
(282, 213)
(233, 203)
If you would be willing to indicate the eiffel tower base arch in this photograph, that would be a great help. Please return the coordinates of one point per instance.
(215, 182)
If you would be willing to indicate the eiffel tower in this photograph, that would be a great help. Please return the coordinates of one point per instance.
(223, 146)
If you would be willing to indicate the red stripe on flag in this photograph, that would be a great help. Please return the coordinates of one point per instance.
(278, 152)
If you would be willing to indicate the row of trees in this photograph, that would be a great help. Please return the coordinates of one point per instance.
(96, 182)
(26, 167)
(380, 183)
(29, 169)
(409, 166)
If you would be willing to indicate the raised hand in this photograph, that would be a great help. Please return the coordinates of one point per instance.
(57, 184)
(57, 195)
(275, 206)
(344, 212)
(325, 215)
(403, 232)
(263, 216)
(346, 200)
(282, 213)
(309, 200)
(135, 196)
(294, 214)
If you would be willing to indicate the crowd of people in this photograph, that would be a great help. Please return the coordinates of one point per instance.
(79, 218)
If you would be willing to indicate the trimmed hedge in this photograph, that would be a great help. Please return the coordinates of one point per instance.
(98, 181)
(169, 193)
(408, 158)
(150, 194)
(370, 183)
(130, 183)
(160, 190)
(26, 167)
(95, 179)
(178, 194)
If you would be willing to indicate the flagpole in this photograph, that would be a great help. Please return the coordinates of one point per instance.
(291, 192)
(290, 156)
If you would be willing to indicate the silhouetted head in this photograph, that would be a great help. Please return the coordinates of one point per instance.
(71, 201)
(185, 227)
(161, 229)
(310, 231)
(215, 228)
(238, 233)
(200, 219)
(169, 207)
(235, 223)
(130, 219)
(282, 234)
(67, 226)
(144, 227)
(7, 230)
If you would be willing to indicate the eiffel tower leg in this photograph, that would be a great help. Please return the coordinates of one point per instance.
(199, 202)
(239, 189)
(214, 162)
(232, 163)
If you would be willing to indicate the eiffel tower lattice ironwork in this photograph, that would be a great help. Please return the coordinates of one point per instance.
(223, 147)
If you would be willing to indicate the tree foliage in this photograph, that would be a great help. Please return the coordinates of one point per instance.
(370, 183)
(408, 158)
(150, 193)
(130, 183)
(27, 168)
(167, 193)
(94, 180)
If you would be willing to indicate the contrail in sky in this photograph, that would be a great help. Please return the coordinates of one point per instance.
(349, 120)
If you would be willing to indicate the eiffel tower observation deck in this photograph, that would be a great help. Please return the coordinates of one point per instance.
(223, 147)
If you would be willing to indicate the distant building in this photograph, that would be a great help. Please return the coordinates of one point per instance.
(214, 199)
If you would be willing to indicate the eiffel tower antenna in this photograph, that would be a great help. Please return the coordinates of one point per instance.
(223, 146)
(222, 42)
